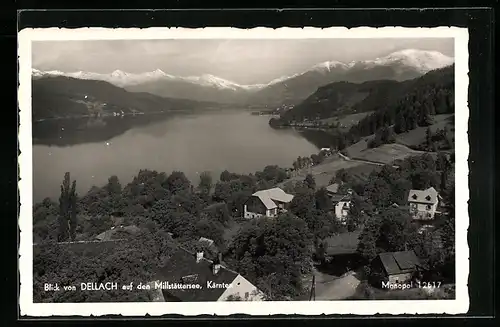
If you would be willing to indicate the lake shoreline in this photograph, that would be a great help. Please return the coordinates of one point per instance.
(122, 146)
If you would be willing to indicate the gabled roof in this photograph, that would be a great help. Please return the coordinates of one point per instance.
(428, 196)
(182, 265)
(108, 235)
(206, 241)
(274, 194)
(340, 197)
(333, 188)
(399, 262)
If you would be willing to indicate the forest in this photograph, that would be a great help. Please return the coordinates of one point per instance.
(406, 106)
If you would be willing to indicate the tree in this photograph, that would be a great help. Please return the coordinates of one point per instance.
(356, 213)
(392, 231)
(205, 185)
(341, 176)
(303, 202)
(428, 138)
(273, 254)
(425, 116)
(323, 201)
(442, 162)
(176, 182)
(387, 135)
(310, 182)
(114, 187)
(210, 229)
(400, 125)
(273, 174)
(67, 210)
(342, 144)
(225, 176)
(135, 260)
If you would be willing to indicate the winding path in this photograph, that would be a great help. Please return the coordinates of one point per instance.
(364, 161)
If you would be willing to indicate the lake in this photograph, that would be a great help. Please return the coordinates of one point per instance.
(92, 150)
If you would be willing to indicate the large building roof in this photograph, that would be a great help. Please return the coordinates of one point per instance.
(274, 194)
(399, 262)
(333, 188)
(183, 267)
(111, 234)
(428, 196)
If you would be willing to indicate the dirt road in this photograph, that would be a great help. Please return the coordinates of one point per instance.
(337, 289)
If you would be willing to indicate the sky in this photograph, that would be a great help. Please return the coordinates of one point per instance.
(246, 61)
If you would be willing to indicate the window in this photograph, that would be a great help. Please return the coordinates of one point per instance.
(414, 196)
(428, 197)
(190, 278)
(429, 215)
(428, 207)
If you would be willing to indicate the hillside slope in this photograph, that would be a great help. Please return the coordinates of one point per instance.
(56, 97)
(347, 98)
(398, 66)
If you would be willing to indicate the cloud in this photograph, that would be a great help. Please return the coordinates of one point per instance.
(243, 61)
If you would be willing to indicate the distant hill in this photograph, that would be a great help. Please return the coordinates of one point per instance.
(397, 66)
(348, 98)
(60, 96)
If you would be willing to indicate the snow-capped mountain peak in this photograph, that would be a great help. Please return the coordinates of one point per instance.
(421, 60)
(119, 73)
(328, 66)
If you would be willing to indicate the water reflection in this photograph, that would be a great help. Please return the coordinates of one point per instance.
(67, 132)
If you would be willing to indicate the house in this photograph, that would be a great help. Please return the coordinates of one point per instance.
(332, 189)
(423, 203)
(341, 201)
(396, 267)
(267, 203)
(190, 277)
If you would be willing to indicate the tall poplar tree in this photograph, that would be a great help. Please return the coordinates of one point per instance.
(67, 210)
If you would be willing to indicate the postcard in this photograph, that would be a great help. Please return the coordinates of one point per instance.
(219, 169)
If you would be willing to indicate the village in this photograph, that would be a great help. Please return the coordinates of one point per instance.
(338, 268)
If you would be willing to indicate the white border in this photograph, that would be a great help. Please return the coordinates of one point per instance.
(459, 305)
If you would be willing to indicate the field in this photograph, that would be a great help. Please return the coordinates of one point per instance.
(324, 172)
(386, 153)
(362, 172)
(417, 136)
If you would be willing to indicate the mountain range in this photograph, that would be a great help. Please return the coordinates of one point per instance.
(289, 90)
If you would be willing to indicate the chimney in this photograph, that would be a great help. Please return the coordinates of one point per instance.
(216, 268)
(217, 264)
(199, 256)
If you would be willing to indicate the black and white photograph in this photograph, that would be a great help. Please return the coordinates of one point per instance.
(298, 166)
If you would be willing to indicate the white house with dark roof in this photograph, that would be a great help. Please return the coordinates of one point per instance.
(267, 203)
(190, 277)
(341, 201)
(423, 203)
